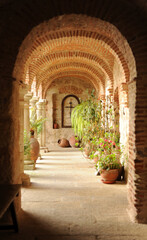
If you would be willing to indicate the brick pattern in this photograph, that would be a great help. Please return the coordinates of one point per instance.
(87, 77)
(47, 46)
(91, 29)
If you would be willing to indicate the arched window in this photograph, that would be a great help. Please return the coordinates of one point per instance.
(68, 103)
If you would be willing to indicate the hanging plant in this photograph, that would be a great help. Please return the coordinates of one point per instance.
(87, 119)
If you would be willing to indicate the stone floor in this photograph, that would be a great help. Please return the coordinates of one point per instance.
(67, 201)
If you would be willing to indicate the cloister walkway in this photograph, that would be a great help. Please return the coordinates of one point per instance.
(67, 201)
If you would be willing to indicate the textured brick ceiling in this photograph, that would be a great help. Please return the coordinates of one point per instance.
(70, 45)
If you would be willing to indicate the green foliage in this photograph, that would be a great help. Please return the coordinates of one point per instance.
(87, 119)
(26, 144)
(36, 124)
(94, 125)
(108, 161)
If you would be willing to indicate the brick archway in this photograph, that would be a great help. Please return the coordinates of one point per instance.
(127, 17)
(63, 47)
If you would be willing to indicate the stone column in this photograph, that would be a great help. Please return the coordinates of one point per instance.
(24, 177)
(41, 113)
(124, 114)
(33, 102)
(27, 98)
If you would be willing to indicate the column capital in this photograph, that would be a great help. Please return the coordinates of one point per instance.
(41, 103)
(28, 96)
(34, 100)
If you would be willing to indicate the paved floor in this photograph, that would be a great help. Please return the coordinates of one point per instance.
(67, 201)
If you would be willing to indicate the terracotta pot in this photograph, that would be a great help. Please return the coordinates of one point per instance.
(56, 126)
(63, 142)
(73, 141)
(87, 150)
(109, 176)
(34, 148)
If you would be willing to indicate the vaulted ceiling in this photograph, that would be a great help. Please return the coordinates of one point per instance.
(73, 45)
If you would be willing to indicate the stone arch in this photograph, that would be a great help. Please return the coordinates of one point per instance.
(81, 75)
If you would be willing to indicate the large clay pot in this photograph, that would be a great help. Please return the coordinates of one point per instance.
(73, 141)
(109, 176)
(63, 142)
(34, 148)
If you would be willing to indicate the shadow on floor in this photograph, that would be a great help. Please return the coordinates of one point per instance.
(31, 228)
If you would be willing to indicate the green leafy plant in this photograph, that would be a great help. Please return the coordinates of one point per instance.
(36, 124)
(94, 124)
(108, 161)
(26, 144)
(87, 120)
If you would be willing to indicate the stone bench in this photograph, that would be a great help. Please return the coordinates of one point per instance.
(7, 196)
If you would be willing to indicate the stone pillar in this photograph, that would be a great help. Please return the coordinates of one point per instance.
(24, 177)
(124, 115)
(27, 98)
(108, 103)
(41, 113)
(33, 102)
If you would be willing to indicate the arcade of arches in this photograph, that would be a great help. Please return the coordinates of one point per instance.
(64, 56)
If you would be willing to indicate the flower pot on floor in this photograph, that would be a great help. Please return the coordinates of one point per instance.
(73, 141)
(63, 142)
(34, 147)
(109, 176)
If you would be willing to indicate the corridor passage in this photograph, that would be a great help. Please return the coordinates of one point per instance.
(67, 201)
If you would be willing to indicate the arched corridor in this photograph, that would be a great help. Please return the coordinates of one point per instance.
(66, 201)
(52, 50)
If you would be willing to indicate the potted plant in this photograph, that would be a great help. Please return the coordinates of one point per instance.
(108, 159)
